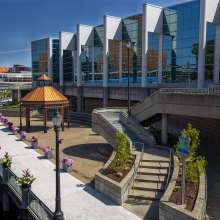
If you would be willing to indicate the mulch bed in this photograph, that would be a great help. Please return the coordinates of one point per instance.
(191, 194)
(112, 174)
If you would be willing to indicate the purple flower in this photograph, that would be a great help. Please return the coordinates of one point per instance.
(34, 140)
(14, 129)
(67, 161)
(23, 134)
(47, 149)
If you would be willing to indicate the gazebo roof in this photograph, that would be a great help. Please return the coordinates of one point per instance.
(45, 95)
(44, 77)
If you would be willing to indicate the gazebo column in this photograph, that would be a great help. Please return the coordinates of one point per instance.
(28, 124)
(62, 116)
(45, 120)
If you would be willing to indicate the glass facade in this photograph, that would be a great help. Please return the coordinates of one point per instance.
(182, 26)
(55, 59)
(113, 63)
(132, 31)
(68, 67)
(39, 53)
(98, 52)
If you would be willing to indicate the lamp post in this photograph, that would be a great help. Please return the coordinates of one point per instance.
(129, 45)
(58, 214)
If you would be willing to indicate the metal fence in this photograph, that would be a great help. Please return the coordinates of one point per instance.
(34, 205)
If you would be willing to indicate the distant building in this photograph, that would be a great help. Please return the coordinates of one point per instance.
(17, 68)
(4, 69)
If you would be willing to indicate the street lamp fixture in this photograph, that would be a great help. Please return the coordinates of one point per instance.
(58, 214)
(129, 46)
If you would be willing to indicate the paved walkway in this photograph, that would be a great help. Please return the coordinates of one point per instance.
(78, 201)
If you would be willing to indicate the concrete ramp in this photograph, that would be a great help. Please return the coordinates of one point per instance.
(203, 103)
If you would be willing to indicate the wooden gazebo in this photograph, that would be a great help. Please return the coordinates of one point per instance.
(44, 97)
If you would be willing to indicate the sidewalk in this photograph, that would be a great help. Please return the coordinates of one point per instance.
(78, 201)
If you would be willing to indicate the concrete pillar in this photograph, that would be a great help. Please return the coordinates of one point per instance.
(105, 54)
(160, 59)
(93, 63)
(105, 97)
(120, 61)
(78, 54)
(202, 44)
(50, 58)
(164, 130)
(79, 99)
(144, 55)
(217, 55)
(61, 65)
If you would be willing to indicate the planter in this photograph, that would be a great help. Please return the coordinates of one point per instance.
(48, 154)
(67, 168)
(171, 211)
(116, 191)
(34, 145)
(26, 187)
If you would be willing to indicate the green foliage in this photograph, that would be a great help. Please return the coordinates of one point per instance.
(195, 165)
(123, 152)
(6, 161)
(26, 179)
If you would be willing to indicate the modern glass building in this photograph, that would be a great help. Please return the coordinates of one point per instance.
(45, 58)
(177, 46)
(40, 56)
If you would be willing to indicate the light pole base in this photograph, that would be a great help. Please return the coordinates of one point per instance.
(58, 215)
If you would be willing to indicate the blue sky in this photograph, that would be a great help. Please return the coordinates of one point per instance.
(24, 20)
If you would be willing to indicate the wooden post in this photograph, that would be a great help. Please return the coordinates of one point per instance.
(62, 117)
(45, 120)
(20, 117)
(28, 118)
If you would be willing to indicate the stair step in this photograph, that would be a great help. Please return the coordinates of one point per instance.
(148, 171)
(164, 161)
(150, 178)
(154, 164)
(148, 186)
(144, 195)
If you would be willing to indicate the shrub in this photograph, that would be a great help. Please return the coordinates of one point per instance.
(26, 179)
(195, 165)
(123, 152)
(6, 161)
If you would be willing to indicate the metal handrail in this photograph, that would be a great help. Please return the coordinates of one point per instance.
(170, 166)
(136, 168)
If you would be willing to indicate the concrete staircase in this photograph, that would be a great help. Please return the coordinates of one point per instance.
(80, 118)
(151, 176)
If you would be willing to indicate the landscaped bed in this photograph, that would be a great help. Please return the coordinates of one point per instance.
(192, 189)
(118, 176)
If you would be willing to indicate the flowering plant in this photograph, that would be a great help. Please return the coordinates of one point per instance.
(26, 179)
(5, 120)
(47, 149)
(14, 129)
(67, 161)
(23, 135)
(6, 161)
(10, 124)
(34, 140)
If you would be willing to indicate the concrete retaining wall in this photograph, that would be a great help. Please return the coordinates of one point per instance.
(135, 127)
(117, 192)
